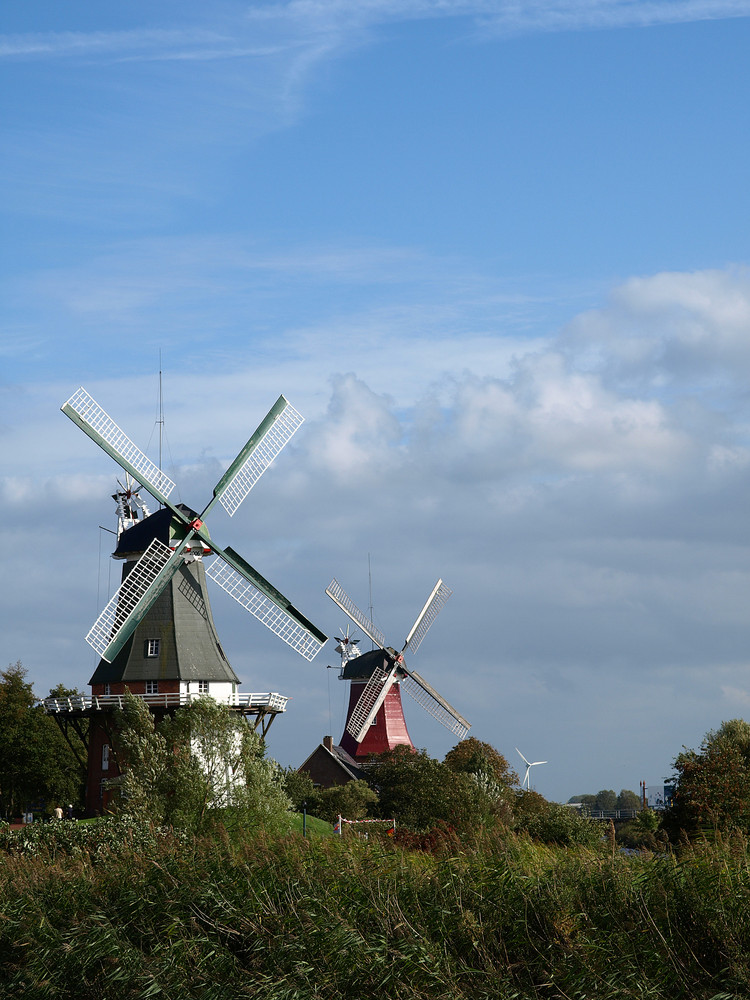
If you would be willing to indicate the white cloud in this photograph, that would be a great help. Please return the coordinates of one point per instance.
(690, 328)
(592, 527)
(501, 15)
(739, 698)
(168, 42)
(308, 31)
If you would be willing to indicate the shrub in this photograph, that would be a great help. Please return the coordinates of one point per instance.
(553, 823)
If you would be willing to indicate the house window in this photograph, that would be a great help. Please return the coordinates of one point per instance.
(105, 757)
(151, 647)
(202, 687)
(152, 687)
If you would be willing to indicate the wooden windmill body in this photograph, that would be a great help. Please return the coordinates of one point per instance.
(387, 729)
(157, 637)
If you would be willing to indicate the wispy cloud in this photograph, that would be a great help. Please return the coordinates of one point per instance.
(581, 15)
(501, 15)
(310, 28)
(147, 42)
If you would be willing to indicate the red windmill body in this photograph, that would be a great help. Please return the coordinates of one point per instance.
(388, 728)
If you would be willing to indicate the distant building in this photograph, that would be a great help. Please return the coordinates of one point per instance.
(330, 765)
(659, 796)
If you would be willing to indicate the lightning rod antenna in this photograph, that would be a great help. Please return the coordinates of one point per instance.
(369, 578)
(161, 414)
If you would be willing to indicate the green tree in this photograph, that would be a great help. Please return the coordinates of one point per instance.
(712, 784)
(148, 771)
(628, 800)
(641, 833)
(606, 800)
(420, 792)
(35, 760)
(203, 763)
(299, 786)
(354, 800)
(489, 770)
(472, 756)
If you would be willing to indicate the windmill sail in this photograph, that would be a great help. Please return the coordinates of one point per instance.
(137, 593)
(84, 411)
(370, 701)
(339, 596)
(428, 614)
(433, 703)
(277, 428)
(256, 595)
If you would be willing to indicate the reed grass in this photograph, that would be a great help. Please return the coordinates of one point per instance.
(140, 914)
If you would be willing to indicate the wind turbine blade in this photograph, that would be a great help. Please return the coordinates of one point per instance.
(260, 598)
(535, 762)
(428, 614)
(84, 411)
(426, 696)
(275, 430)
(522, 757)
(137, 593)
(339, 596)
(370, 700)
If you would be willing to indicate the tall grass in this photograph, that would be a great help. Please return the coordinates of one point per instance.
(288, 919)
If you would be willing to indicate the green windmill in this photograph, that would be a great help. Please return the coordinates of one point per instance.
(164, 556)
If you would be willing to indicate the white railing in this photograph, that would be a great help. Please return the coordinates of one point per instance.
(79, 703)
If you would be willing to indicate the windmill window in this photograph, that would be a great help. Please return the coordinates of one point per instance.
(152, 687)
(105, 757)
(151, 647)
(202, 687)
(107, 689)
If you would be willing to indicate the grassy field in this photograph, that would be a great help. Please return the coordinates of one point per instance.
(122, 913)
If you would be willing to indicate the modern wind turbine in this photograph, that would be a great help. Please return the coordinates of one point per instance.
(189, 536)
(390, 668)
(529, 764)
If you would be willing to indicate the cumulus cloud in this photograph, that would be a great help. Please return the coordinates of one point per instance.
(583, 499)
(687, 329)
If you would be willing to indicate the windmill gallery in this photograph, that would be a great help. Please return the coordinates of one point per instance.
(156, 637)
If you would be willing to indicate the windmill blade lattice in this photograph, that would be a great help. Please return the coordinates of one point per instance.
(84, 411)
(428, 614)
(265, 610)
(131, 600)
(339, 596)
(276, 430)
(435, 705)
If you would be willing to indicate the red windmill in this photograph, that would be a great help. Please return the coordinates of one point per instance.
(375, 718)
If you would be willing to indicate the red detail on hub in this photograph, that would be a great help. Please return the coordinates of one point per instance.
(388, 731)
(197, 524)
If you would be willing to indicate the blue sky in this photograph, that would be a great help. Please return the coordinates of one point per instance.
(496, 256)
